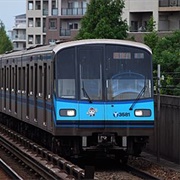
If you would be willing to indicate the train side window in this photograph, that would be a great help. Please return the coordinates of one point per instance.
(19, 79)
(1, 72)
(27, 80)
(7, 80)
(49, 82)
(16, 80)
(10, 86)
(40, 83)
(23, 79)
(12, 80)
(31, 80)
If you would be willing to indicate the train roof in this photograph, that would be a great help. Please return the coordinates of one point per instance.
(32, 50)
(101, 41)
(56, 47)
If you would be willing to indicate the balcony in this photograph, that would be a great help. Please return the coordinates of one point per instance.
(20, 37)
(65, 32)
(169, 5)
(73, 11)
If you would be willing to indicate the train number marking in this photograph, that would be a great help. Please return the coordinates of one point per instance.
(121, 114)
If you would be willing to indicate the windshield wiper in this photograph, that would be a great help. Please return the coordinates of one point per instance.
(86, 94)
(138, 97)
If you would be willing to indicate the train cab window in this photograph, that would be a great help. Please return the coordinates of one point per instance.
(125, 77)
(65, 73)
(90, 67)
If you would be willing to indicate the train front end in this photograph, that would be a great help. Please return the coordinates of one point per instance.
(103, 96)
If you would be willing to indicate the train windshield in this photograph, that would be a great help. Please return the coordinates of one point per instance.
(104, 73)
(126, 86)
(90, 68)
(128, 71)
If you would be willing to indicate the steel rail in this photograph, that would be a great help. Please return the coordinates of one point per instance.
(9, 171)
(38, 158)
(139, 173)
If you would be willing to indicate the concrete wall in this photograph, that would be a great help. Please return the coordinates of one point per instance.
(169, 129)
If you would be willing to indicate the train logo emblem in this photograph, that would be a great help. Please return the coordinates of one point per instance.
(92, 111)
(115, 114)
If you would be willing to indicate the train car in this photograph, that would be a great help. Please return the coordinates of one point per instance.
(82, 96)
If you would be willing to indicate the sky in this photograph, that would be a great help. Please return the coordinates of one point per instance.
(9, 9)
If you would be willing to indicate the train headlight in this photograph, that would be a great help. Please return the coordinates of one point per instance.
(67, 112)
(142, 112)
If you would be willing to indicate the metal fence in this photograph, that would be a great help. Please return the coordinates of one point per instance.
(169, 129)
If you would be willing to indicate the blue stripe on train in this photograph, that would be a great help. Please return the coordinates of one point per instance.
(109, 124)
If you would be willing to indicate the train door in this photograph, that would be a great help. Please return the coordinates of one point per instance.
(4, 89)
(10, 88)
(31, 91)
(15, 90)
(27, 91)
(91, 106)
(5, 86)
(19, 91)
(35, 91)
(45, 96)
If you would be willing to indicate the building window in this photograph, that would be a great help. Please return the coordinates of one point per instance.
(30, 5)
(38, 22)
(73, 25)
(38, 5)
(30, 22)
(52, 24)
(38, 39)
(30, 39)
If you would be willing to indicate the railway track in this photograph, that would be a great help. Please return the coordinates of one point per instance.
(139, 173)
(51, 166)
(9, 171)
(43, 162)
(112, 170)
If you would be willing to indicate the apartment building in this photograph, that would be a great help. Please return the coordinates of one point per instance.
(18, 32)
(51, 20)
(166, 14)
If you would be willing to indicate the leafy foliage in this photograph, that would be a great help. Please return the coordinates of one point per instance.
(151, 25)
(103, 20)
(166, 52)
(5, 43)
(151, 39)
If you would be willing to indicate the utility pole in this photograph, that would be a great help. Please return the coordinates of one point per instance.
(158, 112)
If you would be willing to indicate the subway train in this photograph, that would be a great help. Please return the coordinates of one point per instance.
(90, 96)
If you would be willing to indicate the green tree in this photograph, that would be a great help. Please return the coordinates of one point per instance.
(103, 19)
(5, 43)
(167, 54)
(151, 37)
(150, 27)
